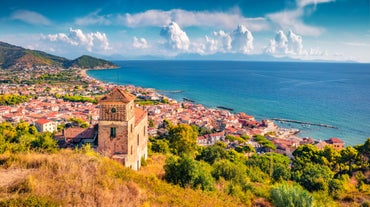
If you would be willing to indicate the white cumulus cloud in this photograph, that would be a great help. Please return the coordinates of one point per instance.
(239, 40)
(242, 40)
(139, 43)
(290, 44)
(76, 37)
(175, 37)
(225, 40)
(30, 17)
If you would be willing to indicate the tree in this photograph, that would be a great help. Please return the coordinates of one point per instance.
(336, 187)
(78, 122)
(305, 154)
(330, 157)
(185, 171)
(213, 153)
(151, 123)
(183, 139)
(280, 172)
(286, 195)
(315, 177)
(364, 152)
(161, 146)
(348, 155)
(228, 170)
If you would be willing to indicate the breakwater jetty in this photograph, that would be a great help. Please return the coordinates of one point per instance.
(170, 91)
(303, 122)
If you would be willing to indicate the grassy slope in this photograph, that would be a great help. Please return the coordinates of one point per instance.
(86, 179)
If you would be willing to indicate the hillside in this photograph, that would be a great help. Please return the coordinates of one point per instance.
(88, 62)
(12, 56)
(83, 178)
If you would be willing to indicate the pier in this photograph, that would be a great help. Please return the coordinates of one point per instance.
(303, 122)
(188, 100)
(170, 91)
(226, 108)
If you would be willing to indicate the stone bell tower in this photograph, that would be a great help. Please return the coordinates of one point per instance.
(123, 129)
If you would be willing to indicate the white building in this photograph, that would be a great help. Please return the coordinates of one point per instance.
(45, 125)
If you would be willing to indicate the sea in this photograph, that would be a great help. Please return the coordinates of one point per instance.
(336, 94)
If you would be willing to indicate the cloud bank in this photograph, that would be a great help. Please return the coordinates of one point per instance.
(139, 43)
(76, 37)
(290, 44)
(184, 18)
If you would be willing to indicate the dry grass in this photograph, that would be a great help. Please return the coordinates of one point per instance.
(70, 178)
(154, 166)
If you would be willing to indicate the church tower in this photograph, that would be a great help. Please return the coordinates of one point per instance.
(123, 129)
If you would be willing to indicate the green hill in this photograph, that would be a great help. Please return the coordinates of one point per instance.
(88, 62)
(12, 56)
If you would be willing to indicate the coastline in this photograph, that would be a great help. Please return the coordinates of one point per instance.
(281, 133)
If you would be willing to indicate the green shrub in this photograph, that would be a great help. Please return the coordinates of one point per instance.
(286, 195)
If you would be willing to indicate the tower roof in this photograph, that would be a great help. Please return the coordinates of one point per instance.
(118, 95)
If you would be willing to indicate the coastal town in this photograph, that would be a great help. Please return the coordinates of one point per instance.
(47, 110)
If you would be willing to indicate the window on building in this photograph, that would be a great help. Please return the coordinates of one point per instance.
(113, 132)
(131, 149)
(138, 140)
(132, 128)
(144, 130)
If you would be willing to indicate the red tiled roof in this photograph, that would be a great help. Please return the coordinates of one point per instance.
(79, 133)
(334, 140)
(42, 121)
(118, 95)
(139, 115)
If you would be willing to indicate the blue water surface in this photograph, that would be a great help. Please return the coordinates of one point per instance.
(336, 94)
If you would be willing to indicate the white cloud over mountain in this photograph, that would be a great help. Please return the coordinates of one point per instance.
(30, 17)
(224, 39)
(239, 40)
(290, 44)
(140, 43)
(76, 37)
(175, 37)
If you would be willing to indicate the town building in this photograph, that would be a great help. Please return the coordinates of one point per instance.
(337, 143)
(45, 125)
(122, 129)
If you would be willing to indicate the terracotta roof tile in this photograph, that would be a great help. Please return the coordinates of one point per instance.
(79, 133)
(334, 140)
(139, 115)
(42, 121)
(118, 95)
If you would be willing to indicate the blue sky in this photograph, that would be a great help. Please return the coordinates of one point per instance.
(337, 30)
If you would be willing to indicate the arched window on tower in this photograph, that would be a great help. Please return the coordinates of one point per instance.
(131, 149)
(138, 140)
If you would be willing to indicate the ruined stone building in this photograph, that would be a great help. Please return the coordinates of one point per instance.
(122, 133)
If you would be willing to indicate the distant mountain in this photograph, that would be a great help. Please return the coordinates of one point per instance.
(88, 62)
(12, 56)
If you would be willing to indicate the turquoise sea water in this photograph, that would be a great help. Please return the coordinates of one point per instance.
(336, 94)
